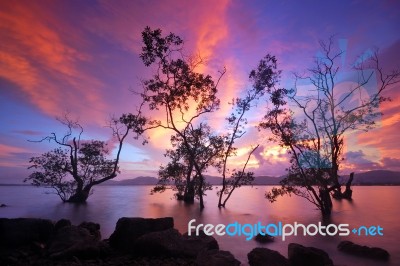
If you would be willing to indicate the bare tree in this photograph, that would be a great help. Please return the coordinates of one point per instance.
(315, 135)
(263, 78)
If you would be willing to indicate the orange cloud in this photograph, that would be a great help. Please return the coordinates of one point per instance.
(212, 30)
(382, 142)
(38, 56)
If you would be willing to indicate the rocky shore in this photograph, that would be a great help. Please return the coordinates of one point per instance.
(140, 241)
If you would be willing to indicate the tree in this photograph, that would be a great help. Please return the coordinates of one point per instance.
(263, 78)
(180, 170)
(75, 166)
(315, 135)
(183, 95)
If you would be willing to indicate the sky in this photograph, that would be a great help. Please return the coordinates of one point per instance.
(82, 57)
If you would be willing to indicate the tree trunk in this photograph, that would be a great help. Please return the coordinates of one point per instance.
(326, 202)
(188, 196)
(200, 191)
(348, 192)
(80, 196)
(221, 192)
(337, 192)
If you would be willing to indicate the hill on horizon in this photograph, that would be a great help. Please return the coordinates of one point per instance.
(375, 177)
(370, 178)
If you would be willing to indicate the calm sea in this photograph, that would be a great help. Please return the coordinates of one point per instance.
(372, 206)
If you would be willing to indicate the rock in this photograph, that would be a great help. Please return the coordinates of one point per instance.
(266, 257)
(161, 243)
(216, 257)
(194, 244)
(171, 243)
(266, 238)
(128, 230)
(307, 256)
(62, 223)
(75, 241)
(24, 231)
(93, 228)
(363, 251)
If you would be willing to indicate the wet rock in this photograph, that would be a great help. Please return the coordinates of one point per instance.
(75, 241)
(171, 243)
(216, 257)
(93, 228)
(128, 230)
(266, 238)
(307, 256)
(363, 251)
(266, 257)
(24, 231)
(194, 244)
(62, 223)
(161, 243)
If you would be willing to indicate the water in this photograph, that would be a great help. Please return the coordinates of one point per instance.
(371, 206)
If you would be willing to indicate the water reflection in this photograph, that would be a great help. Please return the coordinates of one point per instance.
(371, 206)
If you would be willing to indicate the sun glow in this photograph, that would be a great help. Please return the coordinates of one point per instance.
(275, 153)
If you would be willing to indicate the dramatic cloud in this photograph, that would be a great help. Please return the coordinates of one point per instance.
(83, 57)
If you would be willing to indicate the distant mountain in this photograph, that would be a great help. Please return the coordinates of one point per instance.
(213, 180)
(138, 181)
(267, 180)
(377, 177)
(258, 180)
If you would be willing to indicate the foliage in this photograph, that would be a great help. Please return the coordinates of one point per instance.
(184, 96)
(180, 171)
(48, 174)
(75, 166)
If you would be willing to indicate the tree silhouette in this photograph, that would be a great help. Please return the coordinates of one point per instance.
(183, 95)
(180, 170)
(315, 136)
(75, 166)
(263, 78)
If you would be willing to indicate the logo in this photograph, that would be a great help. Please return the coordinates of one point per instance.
(280, 229)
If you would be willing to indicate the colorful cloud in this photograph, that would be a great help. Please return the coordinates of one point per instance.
(83, 57)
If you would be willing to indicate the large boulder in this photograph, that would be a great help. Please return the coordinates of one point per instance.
(93, 228)
(75, 241)
(62, 223)
(194, 244)
(216, 257)
(24, 231)
(161, 243)
(128, 230)
(171, 243)
(266, 257)
(307, 256)
(363, 251)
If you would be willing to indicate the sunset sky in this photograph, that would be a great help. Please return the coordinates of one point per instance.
(83, 57)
